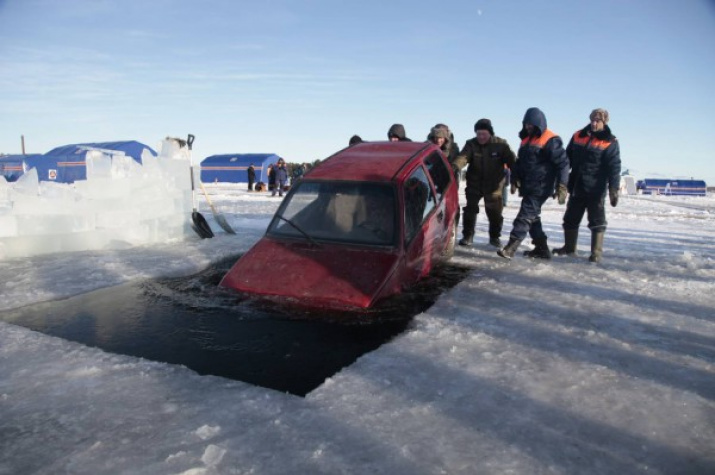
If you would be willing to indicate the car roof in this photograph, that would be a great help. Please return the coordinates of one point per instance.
(370, 161)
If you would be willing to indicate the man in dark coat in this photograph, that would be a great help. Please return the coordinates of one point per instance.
(396, 133)
(486, 155)
(595, 160)
(541, 171)
(251, 176)
(281, 177)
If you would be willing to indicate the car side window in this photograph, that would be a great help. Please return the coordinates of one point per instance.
(419, 202)
(441, 177)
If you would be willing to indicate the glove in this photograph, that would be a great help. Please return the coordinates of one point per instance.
(561, 192)
(456, 171)
(613, 196)
(514, 187)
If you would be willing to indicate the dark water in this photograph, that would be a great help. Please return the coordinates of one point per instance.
(192, 322)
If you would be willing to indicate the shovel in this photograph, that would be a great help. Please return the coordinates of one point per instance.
(218, 216)
(198, 222)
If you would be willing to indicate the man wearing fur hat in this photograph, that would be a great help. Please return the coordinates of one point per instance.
(486, 155)
(442, 137)
(595, 160)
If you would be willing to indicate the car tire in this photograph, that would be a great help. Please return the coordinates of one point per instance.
(451, 243)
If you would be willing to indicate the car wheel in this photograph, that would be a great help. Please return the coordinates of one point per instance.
(451, 243)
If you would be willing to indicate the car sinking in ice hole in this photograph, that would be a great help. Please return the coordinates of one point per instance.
(366, 223)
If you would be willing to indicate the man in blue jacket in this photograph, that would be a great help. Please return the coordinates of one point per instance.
(595, 160)
(541, 171)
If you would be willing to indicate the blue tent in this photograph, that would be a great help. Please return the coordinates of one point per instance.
(232, 168)
(657, 186)
(67, 164)
(13, 166)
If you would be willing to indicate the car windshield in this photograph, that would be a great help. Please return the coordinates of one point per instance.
(355, 213)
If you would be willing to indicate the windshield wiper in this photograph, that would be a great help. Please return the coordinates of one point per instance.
(298, 228)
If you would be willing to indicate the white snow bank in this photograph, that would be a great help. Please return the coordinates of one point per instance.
(120, 204)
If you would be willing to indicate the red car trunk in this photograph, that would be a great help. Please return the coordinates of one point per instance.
(326, 275)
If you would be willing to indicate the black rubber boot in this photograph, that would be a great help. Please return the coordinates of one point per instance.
(470, 224)
(596, 246)
(509, 249)
(540, 251)
(495, 241)
(570, 241)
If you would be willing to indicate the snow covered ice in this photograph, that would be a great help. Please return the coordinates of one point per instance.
(525, 367)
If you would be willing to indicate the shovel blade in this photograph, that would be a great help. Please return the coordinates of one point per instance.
(200, 226)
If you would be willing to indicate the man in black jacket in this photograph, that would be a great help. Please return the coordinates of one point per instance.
(595, 160)
(486, 155)
(251, 172)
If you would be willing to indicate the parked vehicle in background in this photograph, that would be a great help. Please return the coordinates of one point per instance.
(368, 222)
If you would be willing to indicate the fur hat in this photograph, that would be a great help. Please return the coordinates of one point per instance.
(599, 114)
(484, 124)
(439, 132)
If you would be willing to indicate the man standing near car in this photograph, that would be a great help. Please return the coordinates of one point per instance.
(595, 160)
(542, 165)
(397, 133)
(486, 155)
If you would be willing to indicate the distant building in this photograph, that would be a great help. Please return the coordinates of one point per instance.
(671, 187)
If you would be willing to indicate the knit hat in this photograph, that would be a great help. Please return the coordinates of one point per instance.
(599, 114)
(484, 124)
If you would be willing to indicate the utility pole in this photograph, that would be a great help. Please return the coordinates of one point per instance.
(22, 140)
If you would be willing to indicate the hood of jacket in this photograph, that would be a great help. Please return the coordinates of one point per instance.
(397, 130)
(535, 117)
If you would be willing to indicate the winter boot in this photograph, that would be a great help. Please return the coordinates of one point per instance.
(495, 241)
(470, 223)
(569, 247)
(596, 246)
(540, 251)
(510, 248)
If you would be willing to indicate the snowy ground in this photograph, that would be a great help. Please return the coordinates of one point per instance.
(523, 368)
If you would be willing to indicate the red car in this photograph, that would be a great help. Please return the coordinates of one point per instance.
(366, 223)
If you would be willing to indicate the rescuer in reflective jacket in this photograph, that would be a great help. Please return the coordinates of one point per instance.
(595, 160)
(541, 172)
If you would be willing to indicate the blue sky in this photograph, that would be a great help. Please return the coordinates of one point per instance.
(298, 78)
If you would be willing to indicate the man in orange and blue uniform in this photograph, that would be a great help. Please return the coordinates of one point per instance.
(595, 160)
(541, 171)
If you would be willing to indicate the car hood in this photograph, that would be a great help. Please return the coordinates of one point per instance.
(325, 275)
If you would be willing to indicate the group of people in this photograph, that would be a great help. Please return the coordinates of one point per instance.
(585, 172)
(277, 176)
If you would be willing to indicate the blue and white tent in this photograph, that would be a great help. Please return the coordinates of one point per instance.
(232, 168)
(657, 186)
(13, 167)
(67, 164)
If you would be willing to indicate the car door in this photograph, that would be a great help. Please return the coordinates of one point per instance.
(422, 224)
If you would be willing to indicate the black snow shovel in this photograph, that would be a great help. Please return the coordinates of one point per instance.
(198, 222)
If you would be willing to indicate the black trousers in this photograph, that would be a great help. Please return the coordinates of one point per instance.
(580, 203)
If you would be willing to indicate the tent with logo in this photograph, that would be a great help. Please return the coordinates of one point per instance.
(668, 187)
(13, 166)
(232, 168)
(67, 163)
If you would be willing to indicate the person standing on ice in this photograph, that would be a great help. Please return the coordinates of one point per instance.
(251, 176)
(397, 133)
(281, 174)
(595, 160)
(541, 171)
(486, 155)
